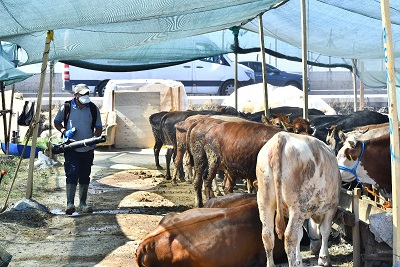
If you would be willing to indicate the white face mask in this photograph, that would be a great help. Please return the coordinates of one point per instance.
(84, 99)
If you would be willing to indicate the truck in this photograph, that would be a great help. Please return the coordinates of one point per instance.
(212, 75)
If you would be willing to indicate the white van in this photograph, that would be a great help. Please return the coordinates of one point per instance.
(208, 76)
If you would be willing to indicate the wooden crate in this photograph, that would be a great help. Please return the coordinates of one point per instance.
(133, 110)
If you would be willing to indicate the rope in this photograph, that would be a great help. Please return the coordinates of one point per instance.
(385, 206)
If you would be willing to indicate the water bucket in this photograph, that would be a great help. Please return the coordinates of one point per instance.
(5, 257)
(16, 150)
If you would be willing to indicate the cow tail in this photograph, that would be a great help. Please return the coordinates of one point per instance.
(276, 163)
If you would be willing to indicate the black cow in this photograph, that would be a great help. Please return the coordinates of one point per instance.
(293, 112)
(355, 119)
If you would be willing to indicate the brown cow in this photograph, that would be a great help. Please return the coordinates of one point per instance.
(298, 175)
(168, 132)
(205, 237)
(181, 131)
(232, 146)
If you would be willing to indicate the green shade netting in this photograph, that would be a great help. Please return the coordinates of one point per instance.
(137, 34)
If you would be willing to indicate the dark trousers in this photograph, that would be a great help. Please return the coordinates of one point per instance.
(78, 166)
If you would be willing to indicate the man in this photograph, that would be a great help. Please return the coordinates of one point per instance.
(78, 119)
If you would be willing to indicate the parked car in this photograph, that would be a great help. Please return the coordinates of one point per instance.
(207, 76)
(274, 75)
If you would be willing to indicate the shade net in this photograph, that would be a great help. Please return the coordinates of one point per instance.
(129, 35)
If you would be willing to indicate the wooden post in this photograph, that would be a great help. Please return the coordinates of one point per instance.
(264, 72)
(29, 187)
(11, 113)
(356, 228)
(3, 105)
(179, 98)
(236, 80)
(354, 84)
(50, 106)
(304, 57)
(171, 95)
(394, 124)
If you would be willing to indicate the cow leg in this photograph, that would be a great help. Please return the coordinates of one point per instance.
(325, 229)
(266, 207)
(187, 167)
(156, 149)
(314, 235)
(168, 157)
(178, 166)
(228, 184)
(213, 163)
(200, 170)
(292, 241)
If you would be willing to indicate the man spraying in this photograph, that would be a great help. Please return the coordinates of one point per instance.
(78, 119)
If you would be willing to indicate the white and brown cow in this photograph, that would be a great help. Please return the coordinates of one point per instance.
(297, 175)
(367, 161)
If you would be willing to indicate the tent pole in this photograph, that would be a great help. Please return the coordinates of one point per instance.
(3, 104)
(50, 105)
(236, 80)
(304, 57)
(11, 113)
(394, 124)
(354, 84)
(262, 45)
(29, 187)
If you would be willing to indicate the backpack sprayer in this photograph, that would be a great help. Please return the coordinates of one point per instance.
(70, 144)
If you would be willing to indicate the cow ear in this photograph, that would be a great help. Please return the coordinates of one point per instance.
(264, 119)
(347, 154)
(352, 144)
(255, 184)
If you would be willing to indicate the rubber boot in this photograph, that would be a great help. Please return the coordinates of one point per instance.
(71, 189)
(83, 191)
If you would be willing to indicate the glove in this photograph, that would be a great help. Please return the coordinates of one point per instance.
(70, 133)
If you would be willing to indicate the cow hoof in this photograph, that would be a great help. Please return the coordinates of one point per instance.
(160, 168)
(324, 261)
(168, 178)
(182, 180)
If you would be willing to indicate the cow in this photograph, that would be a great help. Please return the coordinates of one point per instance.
(195, 148)
(297, 175)
(168, 132)
(337, 136)
(155, 120)
(204, 237)
(367, 161)
(181, 131)
(233, 147)
(355, 119)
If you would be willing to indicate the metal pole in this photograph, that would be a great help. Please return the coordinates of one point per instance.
(394, 123)
(264, 74)
(29, 187)
(304, 57)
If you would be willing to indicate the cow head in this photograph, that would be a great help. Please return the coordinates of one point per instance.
(278, 120)
(302, 126)
(335, 137)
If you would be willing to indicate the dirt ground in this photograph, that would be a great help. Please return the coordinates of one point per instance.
(129, 198)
